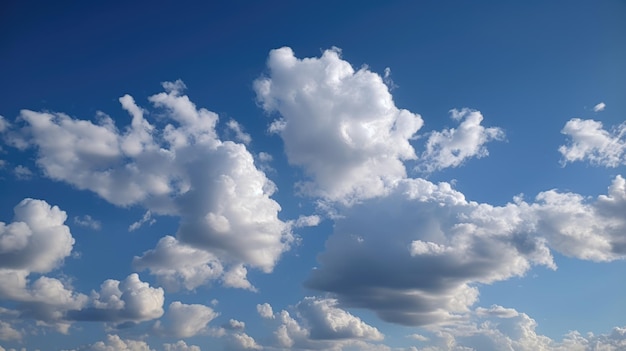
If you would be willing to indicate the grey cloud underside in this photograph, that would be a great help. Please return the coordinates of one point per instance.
(417, 256)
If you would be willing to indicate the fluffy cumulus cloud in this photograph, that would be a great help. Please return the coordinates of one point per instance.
(130, 300)
(319, 324)
(589, 141)
(177, 265)
(497, 328)
(265, 310)
(439, 246)
(327, 321)
(37, 241)
(115, 343)
(451, 147)
(183, 321)
(177, 166)
(337, 123)
(180, 345)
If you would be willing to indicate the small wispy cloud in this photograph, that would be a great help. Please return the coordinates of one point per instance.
(88, 221)
(599, 107)
(147, 218)
(22, 173)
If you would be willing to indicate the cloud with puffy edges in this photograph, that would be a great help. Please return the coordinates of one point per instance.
(37, 241)
(442, 246)
(498, 328)
(319, 324)
(451, 147)
(180, 345)
(177, 265)
(589, 141)
(130, 300)
(115, 343)
(181, 169)
(265, 310)
(337, 123)
(184, 321)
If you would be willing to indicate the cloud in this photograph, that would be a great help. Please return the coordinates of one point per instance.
(7, 332)
(243, 341)
(115, 343)
(328, 322)
(236, 277)
(37, 240)
(323, 326)
(340, 125)
(177, 265)
(588, 141)
(599, 107)
(181, 169)
(88, 221)
(307, 221)
(239, 133)
(180, 345)
(22, 172)
(147, 218)
(451, 147)
(265, 311)
(234, 324)
(416, 256)
(498, 328)
(130, 300)
(184, 321)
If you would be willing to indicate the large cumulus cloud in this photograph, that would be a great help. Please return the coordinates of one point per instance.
(416, 256)
(177, 166)
(340, 124)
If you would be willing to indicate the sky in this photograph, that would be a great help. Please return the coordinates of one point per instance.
(280, 175)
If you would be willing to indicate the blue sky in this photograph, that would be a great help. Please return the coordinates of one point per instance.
(435, 175)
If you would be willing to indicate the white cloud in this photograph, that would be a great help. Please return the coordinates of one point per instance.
(339, 330)
(115, 343)
(328, 322)
(307, 221)
(425, 271)
(451, 147)
(4, 124)
(245, 342)
(37, 240)
(7, 332)
(339, 124)
(239, 133)
(147, 218)
(88, 221)
(22, 172)
(184, 321)
(583, 229)
(177, 265)
(265, 310)
(498, 328)
(130, 300)
(180, 345)
(418, 337)
(234, 324)
(442, 246)
(236, 278)
(182, 169)
(590, 142)
(599, 107)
